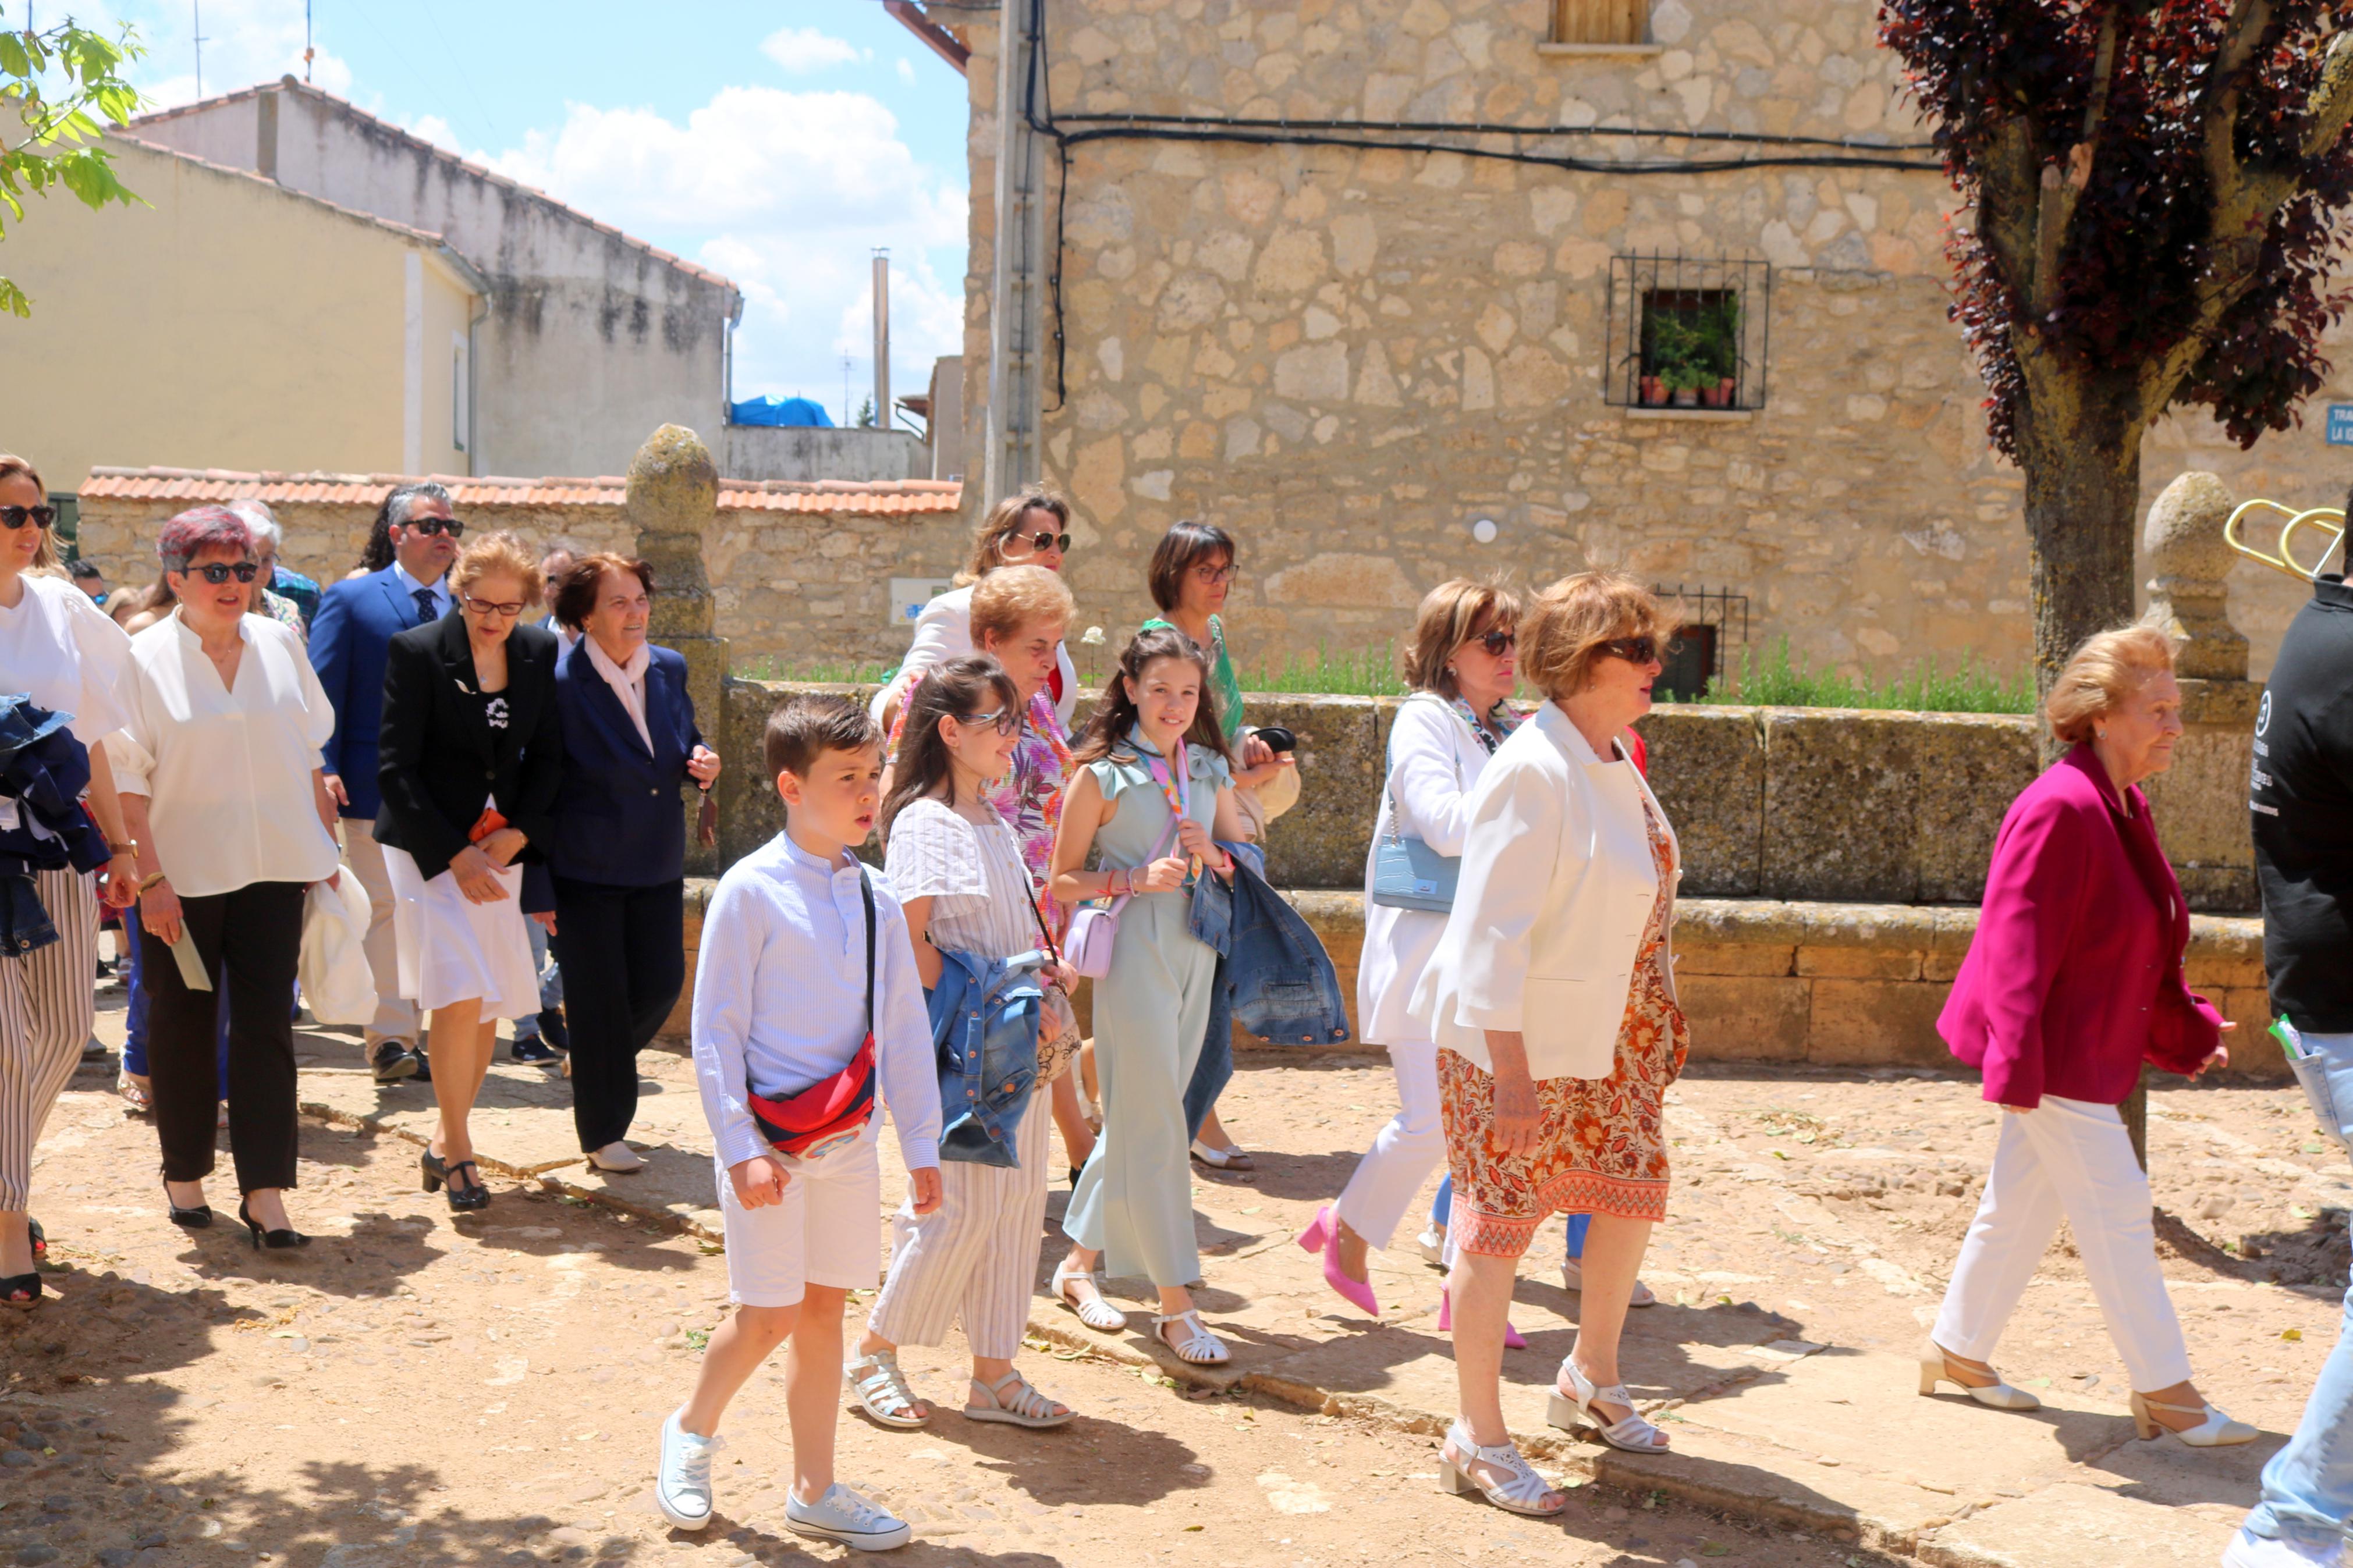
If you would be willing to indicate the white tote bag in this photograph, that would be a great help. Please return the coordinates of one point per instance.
(337, 984)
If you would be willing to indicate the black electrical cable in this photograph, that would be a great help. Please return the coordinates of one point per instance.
(1484, 128)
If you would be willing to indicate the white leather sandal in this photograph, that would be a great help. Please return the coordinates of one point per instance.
(1519, 1489)
(1013, 1400)
(881, 1390)
(1199, 1347)
(1094, 1312)
(2216, 1431)
(1573, 1411)
(1936, 1367)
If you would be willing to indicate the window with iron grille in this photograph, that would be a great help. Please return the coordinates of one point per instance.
(1687, 332)
(1715, 621)
(1600, 21)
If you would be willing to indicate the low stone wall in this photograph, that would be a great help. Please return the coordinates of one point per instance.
(1789, 981)
(1772, 802)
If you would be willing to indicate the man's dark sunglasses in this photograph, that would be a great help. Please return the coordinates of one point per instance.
(16, 517)
(219, 572)
(431, 525)
(1633, 650)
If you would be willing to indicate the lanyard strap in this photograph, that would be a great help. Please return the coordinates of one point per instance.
(1160, 774)
(866, 897)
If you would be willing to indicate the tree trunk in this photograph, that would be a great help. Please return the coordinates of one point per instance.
(2081, 454)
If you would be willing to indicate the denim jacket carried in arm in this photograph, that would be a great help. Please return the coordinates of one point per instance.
(43, 825)
(1280, 980)
(984, 1015)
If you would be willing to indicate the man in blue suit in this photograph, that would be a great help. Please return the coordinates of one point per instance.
(355, 625)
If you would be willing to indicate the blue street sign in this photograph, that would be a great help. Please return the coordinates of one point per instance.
(2340, 424)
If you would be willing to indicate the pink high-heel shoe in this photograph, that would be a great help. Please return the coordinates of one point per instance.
(1323, 1237)
(1512, 1339)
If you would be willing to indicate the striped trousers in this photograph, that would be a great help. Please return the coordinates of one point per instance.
(975, 1254)
(48, 1003)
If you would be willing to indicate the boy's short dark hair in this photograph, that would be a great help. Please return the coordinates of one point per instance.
(811, 725)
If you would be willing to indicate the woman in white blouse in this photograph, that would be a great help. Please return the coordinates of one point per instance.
(60, 650)
(220, 774)
(1461, 664)
(1031, 528)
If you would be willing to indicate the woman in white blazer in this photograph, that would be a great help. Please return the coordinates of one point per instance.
(1461, 664)
(1029, 529)
(1551, 998)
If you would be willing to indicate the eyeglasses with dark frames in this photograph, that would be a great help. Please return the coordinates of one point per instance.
(492, 606)
(1212, 576)
(1040, 542)
(1004, 721)
(1633, 650)
(219, 572)
(432, 525)
(16, 517)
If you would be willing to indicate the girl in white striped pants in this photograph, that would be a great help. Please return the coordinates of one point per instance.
(46, 1008)
(957, 871)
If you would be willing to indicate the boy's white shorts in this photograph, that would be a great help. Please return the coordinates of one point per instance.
(827, 1231)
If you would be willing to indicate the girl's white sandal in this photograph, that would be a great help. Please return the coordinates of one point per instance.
(1198, 1347)
(1093, 1311)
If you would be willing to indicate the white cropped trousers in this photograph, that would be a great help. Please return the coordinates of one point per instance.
(1404, 1152)
(2072, 1159)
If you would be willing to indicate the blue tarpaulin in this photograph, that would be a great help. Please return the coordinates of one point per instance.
(774, 410)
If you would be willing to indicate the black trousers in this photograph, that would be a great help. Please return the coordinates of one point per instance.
(255, 934)
(623, 952)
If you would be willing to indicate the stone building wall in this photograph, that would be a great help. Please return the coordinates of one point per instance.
(1349, 357)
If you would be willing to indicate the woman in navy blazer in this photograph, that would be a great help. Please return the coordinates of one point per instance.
(618, 856)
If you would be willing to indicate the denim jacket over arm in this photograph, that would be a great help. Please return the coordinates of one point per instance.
(1282, 983)
(984, 1015)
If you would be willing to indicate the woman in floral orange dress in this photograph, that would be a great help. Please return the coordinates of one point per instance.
(1551, 998)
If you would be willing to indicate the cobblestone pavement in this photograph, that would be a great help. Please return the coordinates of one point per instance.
(424, 1389)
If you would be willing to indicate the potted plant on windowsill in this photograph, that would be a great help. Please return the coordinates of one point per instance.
(1684, 384)
(1650, 391)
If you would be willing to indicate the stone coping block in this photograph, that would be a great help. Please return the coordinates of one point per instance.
(1816, 804)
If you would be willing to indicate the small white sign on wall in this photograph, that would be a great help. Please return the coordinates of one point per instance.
(910, 594)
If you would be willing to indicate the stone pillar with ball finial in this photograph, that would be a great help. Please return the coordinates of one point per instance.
(673, 504)
(2200, 802)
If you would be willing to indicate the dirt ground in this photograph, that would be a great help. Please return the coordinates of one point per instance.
(419, 1389)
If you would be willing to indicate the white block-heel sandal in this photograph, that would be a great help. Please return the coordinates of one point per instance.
(1936, 1367)
(1571, 1413)
(2216, 1431)
(1518, 1490)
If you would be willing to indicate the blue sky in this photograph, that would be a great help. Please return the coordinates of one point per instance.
(777, 143)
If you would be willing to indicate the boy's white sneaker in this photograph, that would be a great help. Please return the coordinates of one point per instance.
(842, 1515)
(2247, 1551)
(683, 1485)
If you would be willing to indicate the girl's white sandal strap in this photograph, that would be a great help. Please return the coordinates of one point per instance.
(1198, 1347)
(1015, 1400)
(1093, 1310)
(882, 1392)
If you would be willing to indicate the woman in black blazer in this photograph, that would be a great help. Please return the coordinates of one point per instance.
(619, 857)
(471, 759)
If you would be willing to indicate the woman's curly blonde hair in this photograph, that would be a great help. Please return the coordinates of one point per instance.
(2108, 668)
(1565, 624)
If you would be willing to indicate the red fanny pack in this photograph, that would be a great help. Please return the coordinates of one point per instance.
(835, 1110)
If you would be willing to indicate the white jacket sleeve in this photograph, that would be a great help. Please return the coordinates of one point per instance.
(1426, 778)
(905, 1066)
(1509, 858)
(726, 977)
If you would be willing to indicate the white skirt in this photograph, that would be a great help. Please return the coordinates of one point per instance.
(453, 950)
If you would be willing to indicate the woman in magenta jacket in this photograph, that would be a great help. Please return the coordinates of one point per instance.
(2073, 981)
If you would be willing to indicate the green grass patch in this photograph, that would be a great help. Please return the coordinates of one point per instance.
(1782, 680)
(768, 666)
(1366, 672)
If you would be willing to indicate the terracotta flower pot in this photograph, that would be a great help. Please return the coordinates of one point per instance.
(1653, 392)
(1685, 397)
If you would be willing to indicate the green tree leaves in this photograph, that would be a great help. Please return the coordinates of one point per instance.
(58, 90)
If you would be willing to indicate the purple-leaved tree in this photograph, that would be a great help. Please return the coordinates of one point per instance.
(2151, 187)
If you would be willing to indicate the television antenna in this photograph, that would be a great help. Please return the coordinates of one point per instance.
(197, 26)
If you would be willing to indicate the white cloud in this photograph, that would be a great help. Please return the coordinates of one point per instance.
(788, 194)
(906, 69)
(247, 42)
(802, 51)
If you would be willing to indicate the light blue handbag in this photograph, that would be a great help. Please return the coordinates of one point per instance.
(1408, 874)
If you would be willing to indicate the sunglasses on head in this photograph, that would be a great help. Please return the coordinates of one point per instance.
(492, 607)
(1497, 643)
(16, 517)
(432, 525)
(219, 572)
(1004, 721)
(1633, 650)
(1039, 543)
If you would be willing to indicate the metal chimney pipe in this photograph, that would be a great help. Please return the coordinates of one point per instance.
(882, 338)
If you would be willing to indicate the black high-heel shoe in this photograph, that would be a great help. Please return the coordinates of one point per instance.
(196, 1218)
(466, 1195)
(437, 1174)
(275, 1240)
